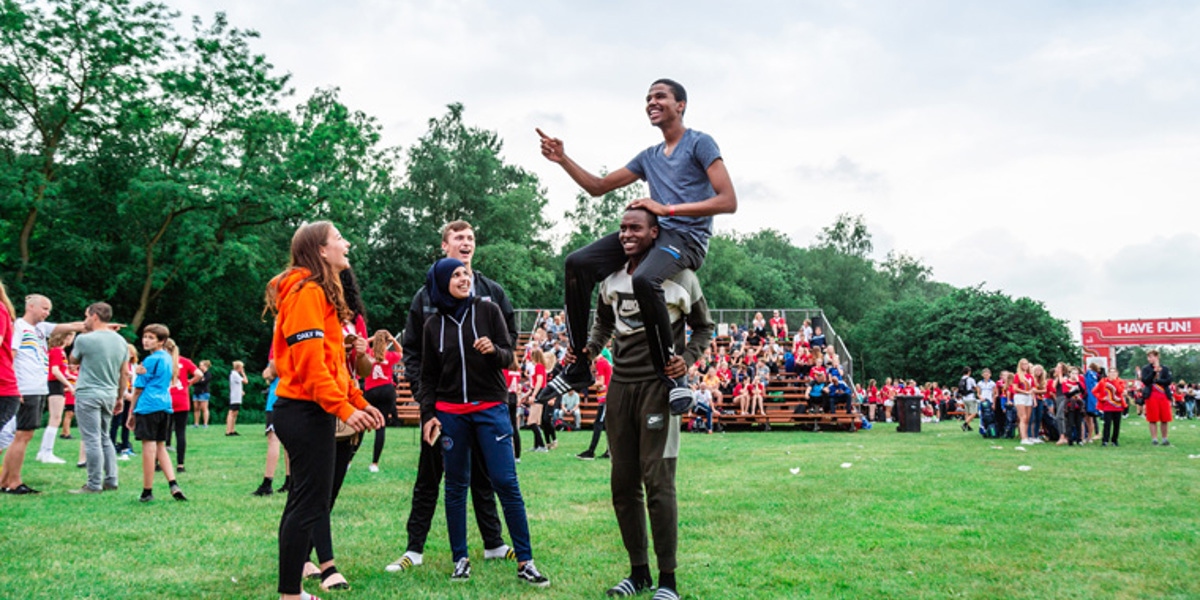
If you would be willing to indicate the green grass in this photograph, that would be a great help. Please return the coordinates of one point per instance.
(933, 515)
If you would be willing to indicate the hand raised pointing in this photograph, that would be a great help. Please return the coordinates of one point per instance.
(552, 148)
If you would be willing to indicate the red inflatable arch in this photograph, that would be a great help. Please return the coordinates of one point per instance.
(1101, 337)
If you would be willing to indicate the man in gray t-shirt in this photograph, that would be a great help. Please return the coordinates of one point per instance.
(103, 359)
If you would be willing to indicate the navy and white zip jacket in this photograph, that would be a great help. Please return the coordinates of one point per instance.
(452, 370)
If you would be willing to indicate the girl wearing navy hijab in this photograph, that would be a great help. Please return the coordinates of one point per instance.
(463, 395)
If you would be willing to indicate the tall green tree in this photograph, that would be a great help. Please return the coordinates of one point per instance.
(64, 69)
(971, 327)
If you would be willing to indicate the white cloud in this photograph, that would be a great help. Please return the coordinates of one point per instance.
(997, 142)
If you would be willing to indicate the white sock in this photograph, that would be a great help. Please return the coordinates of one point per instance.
(416, 557)
(305, 595)
(48, 440)
(497, 552)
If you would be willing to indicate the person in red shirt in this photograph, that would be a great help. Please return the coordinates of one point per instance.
(872, 399)
(1023, 398)
(604, 373)
(380, 386)
(1110, 400)
(181, 403)
(1156, 378)
(60, 386)
(10, 393)
(779, 326)
(889, 399)
(512, 379)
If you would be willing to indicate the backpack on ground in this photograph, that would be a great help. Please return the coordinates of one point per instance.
(987, 420)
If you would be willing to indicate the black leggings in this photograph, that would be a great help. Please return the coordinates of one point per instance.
(548, 425)
(306, 432)
(512, 418)
(180, 420)
(1112, 421)
(118, 424)
(383, 398)
(322, 540)
(672, 253)
(597, 429)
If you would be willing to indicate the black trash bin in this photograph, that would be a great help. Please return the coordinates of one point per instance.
(909, 413)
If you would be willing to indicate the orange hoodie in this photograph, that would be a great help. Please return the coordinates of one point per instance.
(308, 348)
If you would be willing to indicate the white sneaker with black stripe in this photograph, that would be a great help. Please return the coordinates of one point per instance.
(682, 398)
(577, 376)
(462, 571)
(626, 588)
(529, 574)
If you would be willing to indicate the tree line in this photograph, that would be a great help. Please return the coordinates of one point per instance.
(163, 169)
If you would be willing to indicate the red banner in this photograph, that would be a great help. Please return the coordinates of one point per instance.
(1141, 332)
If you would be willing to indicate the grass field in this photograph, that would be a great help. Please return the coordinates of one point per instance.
(940, 514)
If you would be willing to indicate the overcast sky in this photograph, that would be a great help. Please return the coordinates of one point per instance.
(1049, 149)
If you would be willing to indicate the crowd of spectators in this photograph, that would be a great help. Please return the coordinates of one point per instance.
(732, 377)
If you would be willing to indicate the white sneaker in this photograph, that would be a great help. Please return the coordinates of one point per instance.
(503, 552)
(123, 457)
(406, 562)
(50, 459)
(373, 468)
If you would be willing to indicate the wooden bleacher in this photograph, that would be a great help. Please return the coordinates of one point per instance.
(783, 395)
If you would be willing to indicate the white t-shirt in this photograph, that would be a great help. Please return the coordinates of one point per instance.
(31, 357)
(987, 389)
(235, 387)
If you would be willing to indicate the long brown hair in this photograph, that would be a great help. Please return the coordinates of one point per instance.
(380, 345)
(306, 254)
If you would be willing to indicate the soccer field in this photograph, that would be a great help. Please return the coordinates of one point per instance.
(940, 514)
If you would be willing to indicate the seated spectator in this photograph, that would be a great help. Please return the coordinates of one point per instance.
(806, 332)
(557, 327)
(779, 326)
(818, 338)
(836, 392)
(741, 393)
(712, 383)
(816, 393)
(569, 409)
(758, 326)
(704, 408)
(737, 338)
(758, 392)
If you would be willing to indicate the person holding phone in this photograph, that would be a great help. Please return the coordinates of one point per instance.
(463, 394)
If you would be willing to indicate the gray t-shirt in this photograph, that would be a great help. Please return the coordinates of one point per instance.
(680, 178)
(100, 355)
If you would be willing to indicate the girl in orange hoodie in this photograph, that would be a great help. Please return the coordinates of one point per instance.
(314, 389)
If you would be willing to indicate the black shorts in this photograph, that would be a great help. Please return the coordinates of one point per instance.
(235, 407)
(152, 427)
(56, 387)
(270, 416)
(29, 415)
